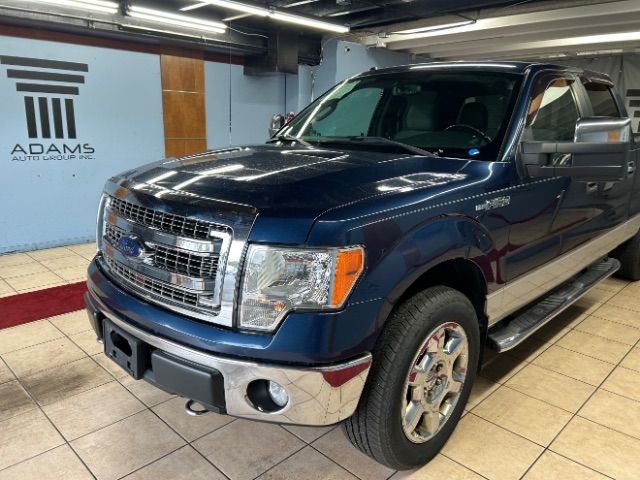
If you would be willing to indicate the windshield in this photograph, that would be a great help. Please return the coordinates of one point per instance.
(454, 114)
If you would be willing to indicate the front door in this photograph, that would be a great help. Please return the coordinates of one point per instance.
(553, 212)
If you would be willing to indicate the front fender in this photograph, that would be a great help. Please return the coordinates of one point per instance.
(426, 246)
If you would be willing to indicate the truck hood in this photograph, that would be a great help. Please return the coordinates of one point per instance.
(291, 187)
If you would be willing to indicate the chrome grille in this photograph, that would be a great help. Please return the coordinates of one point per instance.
(159, 289)
(113, 233)
(179, 261)
(172, 259)
(166, 222)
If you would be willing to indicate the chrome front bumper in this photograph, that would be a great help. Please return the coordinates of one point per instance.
(318, 396)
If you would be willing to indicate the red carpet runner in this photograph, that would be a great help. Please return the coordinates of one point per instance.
(28, 307)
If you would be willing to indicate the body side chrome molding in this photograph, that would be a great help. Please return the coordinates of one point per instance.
(528, 287)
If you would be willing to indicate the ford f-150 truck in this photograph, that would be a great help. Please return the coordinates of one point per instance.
(359, 264)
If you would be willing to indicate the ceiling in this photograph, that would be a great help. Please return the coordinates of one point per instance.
(534, 30)
(243, 34)
(438, 29)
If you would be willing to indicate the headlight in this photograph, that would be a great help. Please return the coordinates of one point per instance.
(278, 280)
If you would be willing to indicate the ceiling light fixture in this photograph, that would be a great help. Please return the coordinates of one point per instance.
(612, 51)
(175, 19)
(194, 6)
(94, 5)
(129, 26)
(301, 2)
(308, 22)
(433, 28)
(279, 16)
(240, 7)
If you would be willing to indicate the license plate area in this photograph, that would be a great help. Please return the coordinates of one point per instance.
(125, 349)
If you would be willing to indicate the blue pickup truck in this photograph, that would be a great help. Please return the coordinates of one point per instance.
(359, 265)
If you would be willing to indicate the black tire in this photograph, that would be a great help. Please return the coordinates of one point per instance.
(629, 256)
(376, 426)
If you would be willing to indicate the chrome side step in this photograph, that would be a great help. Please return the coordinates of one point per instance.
(513, 330)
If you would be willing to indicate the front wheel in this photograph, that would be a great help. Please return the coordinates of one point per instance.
(424, 365)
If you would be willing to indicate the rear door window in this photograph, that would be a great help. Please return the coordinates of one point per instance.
(602, 100)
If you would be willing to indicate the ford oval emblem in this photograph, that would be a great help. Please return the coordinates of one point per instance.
(130, 246)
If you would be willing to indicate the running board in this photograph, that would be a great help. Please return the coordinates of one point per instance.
(514, 330)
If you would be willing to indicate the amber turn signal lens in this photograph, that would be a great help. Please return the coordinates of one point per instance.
(349, 266)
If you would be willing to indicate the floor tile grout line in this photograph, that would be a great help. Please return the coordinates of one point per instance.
(521, 393)
(584, 355)
(573, 414)
(40, 407)
(150, 463)
(304, 445)
(464, 466)
(343, 467)
(617, 322)
(190, 443)
(502, 384)
(55, 367)
(210, 462)
(28, 459)
(608, 427)
(151, 407)
(502, 427)
(576, 414)
(578, 463)
(606, 338)
(48, 270)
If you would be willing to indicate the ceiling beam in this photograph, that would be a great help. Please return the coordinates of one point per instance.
(631, 23)
(507, 26)
(544, 47)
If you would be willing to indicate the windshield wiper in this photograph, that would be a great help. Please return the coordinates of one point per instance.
(289, 138)
(388, 141)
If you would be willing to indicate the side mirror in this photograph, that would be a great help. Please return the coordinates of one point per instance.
(603, 130)
(276, 123)
(600, 152)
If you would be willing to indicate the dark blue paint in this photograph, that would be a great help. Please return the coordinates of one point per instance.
(313, 196)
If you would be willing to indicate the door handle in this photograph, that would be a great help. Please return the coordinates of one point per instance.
(592, 187)
(631, 167)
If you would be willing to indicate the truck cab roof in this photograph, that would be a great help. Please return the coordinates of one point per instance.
(489, 66)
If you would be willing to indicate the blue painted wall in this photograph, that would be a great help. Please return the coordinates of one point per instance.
(239, 107)
(342, 60)
(49, 202)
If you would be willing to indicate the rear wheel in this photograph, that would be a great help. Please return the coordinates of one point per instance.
(423, 369)
(629, 255)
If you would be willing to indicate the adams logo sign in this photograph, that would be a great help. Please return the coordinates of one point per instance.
(49, 89)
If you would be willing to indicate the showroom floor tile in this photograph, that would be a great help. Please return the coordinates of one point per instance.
(52, 267)
(565, 404)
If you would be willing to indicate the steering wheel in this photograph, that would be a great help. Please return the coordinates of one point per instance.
(475, 130)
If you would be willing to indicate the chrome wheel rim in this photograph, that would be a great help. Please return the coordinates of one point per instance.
(434, 382)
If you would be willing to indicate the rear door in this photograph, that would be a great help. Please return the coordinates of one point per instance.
(610, 199)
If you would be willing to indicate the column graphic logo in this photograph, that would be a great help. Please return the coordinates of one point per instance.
(48, 91)
(51, 116)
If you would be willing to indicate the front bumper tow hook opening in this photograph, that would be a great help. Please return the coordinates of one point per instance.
(194, 412)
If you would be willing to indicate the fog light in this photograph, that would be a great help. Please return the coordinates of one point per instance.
(278, 394)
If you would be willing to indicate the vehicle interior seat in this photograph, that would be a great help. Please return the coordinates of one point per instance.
(475, 115)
